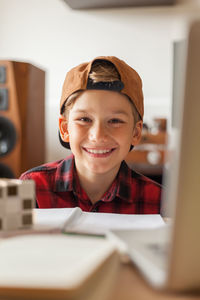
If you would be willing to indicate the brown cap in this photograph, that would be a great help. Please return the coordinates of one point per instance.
(77, 79)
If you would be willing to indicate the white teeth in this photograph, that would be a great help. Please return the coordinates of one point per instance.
(98, 151)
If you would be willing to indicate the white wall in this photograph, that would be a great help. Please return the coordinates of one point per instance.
(54, 37)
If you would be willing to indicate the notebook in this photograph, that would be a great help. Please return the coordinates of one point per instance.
(74, 220)
(169, 257)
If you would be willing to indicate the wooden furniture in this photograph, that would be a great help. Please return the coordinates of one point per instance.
(149, 156)
(130, 285)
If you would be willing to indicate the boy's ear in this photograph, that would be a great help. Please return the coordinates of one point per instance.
(137, 133)
(63, 129)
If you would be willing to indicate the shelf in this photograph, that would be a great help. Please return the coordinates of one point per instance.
(88, 4)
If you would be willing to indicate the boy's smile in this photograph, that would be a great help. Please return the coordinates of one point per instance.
(101, 130)
(99, 152)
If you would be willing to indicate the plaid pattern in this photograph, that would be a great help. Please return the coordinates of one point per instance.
(57, 185)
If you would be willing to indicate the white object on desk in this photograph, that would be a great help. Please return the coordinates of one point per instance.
(76, 220)
(57, 266)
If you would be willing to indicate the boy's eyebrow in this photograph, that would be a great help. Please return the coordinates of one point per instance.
(80, 110)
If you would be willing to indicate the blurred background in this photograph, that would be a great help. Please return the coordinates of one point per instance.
(51, 37)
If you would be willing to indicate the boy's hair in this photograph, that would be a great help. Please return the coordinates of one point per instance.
(103, 73)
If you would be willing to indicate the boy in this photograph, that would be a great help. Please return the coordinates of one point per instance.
(101, 120)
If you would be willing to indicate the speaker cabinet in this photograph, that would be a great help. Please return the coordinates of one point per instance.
(22, 118)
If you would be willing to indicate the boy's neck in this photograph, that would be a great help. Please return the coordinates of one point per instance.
(95, 185)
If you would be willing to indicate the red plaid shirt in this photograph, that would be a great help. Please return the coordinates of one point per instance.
(57, 185)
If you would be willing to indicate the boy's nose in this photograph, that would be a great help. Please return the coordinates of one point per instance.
(98, 133)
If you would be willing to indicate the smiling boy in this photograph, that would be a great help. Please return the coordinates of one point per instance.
(101, 120)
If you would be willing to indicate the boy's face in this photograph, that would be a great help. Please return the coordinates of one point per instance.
(100, 129)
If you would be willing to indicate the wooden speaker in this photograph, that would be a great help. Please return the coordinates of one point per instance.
(22, 119)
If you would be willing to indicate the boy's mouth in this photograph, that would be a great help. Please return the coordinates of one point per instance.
(99, 152)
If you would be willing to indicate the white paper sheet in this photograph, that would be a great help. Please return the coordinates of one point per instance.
(74, 219)
(102, 222)
(53, 217)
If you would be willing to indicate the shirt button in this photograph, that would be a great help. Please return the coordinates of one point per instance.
(94, 209)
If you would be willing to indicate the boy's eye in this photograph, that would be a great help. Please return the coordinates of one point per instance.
(84, 119)
(116, 121)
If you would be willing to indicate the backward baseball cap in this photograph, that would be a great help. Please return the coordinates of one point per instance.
(77, 80)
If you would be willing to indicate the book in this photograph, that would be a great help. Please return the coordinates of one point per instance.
(74, 220)
(57, 266)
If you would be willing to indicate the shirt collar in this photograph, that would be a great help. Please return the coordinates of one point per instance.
(64, 176)
(124, 183)
(67, 180)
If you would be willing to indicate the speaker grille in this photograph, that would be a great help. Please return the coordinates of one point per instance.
(8, 136)
(3, 99)
(2, 74)
(6, 172)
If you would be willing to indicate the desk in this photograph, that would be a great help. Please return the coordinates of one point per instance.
(128, 285)
(131, 286)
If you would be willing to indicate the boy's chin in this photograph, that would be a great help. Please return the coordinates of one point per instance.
(104, 170)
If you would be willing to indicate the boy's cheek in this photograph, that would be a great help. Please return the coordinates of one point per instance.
(77, 134)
